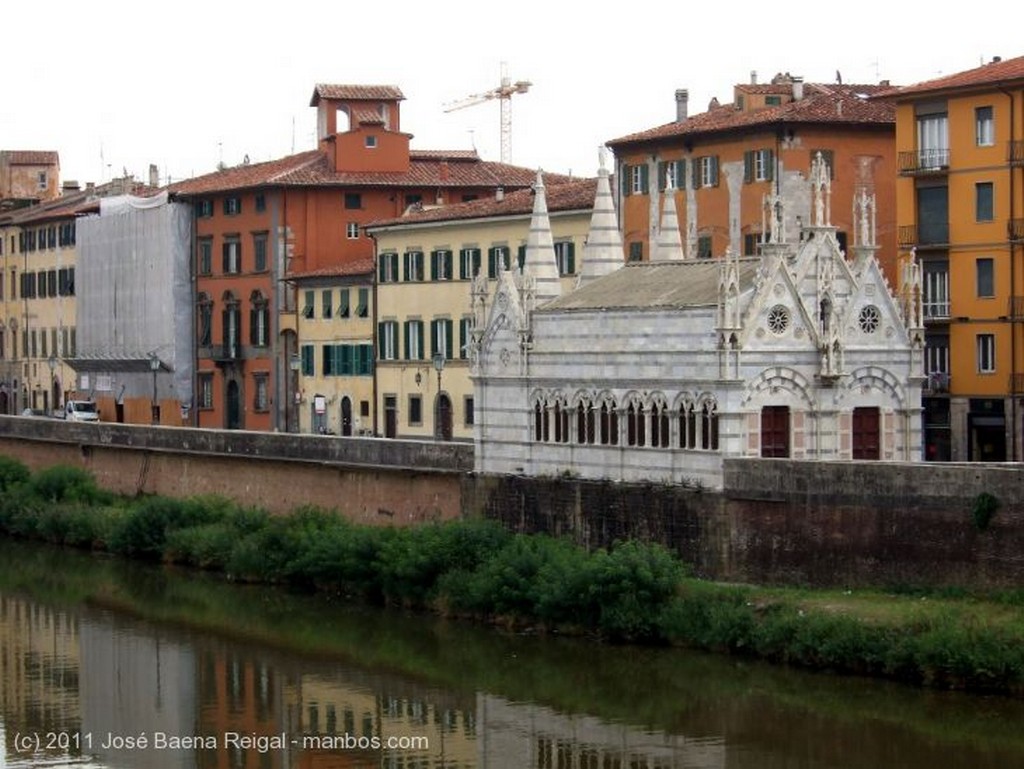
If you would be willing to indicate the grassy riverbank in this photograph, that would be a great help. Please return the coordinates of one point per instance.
(634, 592)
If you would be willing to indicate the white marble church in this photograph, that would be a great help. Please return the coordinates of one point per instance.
(656, 371)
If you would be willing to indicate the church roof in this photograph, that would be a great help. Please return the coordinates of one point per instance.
(654, 285)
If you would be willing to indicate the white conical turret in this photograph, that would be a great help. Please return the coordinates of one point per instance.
(540, 262)
(603, 252)
(669, 247)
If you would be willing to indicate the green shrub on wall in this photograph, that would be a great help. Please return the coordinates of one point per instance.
(983, 509)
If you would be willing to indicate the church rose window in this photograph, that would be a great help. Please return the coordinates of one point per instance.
(778, 319)
(869, 319)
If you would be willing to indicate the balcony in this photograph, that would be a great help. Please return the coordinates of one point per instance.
(926, 161)
(1015, 309)
(937, 383)
(935, 309)
(1015, 230)
(226, 353)
(931, 234)
(1015, 152)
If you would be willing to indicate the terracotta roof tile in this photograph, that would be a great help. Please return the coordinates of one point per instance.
(453, 155)
(996, 72)
(367, 117)
(358, 267)
(835, 104)
(29, 157)
(355, 92)
(576, 195)
(244, 176)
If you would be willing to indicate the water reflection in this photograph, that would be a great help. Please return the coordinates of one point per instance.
(108, 665)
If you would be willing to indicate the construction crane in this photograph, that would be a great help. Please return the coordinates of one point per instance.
(504, 93)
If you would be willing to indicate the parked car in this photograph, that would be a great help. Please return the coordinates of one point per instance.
(81, 411)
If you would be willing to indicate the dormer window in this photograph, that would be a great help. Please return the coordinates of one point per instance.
(371, 142)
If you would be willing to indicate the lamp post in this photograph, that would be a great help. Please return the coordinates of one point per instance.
(52, 362)
(438, 361)
(154, 409)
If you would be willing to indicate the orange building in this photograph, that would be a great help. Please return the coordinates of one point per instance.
(960, 208)
(722, 163)
(257, 225)
(28, 176)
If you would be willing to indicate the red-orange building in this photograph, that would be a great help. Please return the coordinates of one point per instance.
(256, 225)
(723, 162)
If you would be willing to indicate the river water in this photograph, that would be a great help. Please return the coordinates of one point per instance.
(105, 664)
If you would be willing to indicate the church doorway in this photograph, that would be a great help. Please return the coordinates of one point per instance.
(775, 431)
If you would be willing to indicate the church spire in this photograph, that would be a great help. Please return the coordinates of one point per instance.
(540, 263)
(669, 247)
(603, 253)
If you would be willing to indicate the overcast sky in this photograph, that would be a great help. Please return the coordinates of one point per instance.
(115, 86)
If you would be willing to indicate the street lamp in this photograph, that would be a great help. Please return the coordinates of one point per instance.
(154, 409)
(438, 361)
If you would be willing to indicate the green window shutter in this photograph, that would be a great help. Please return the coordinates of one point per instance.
(408, 323)
(381, 331)
(770, 170)
(326, 360)
(714, 170)
(476, 262)
(748, 166)
(464, 337)
(645, 185)
(570, 257)
(363, 308)
(522, 257)
(681, 174)
(405, 267)
(662, 174)
(419, 327)
(433, 338)
(627, 180)
(434, 272)
(449, 337)
(343, 303)
(695, 169)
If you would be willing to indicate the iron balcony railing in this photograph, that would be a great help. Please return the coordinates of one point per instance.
(1015, 230)
(1015, 152)
(930, 234)
(1015, 310)
(926, 161)
(935, 309)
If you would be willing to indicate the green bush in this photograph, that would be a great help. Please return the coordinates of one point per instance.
(12, 473)
(65, 483)
(273, 551)
(143, 530)
(207, 546)
(983, 509)
(346, 558)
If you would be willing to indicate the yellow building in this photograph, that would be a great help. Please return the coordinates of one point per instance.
(426, 261)
(960, 211)
(335, 362)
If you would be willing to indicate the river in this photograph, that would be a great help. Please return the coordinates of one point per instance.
(108, 664)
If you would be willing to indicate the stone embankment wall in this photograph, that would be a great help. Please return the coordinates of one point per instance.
(845, 524)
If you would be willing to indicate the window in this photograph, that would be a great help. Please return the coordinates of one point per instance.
(232, 206)
(259, 248)
(441, 337)
(412, 266)
(935, 299)
(985, 277)
(672, 173)
(205, 391)
(497, 260)
(259, 320)
(344, 309)
(705, 171)
(467, 410)
(869, 319)
(326, 306)
(232, 255)
(387, 268)
(363, 305)
(414, 340)
(704, 247)
(565, 256)
(204, 209)
(307, 360)
(364, 408)
(41, 284)
(986, 353)
(308, 304)
(261, 202)
(42, 180)
(205, 266)
(261, 397)
(469, 263)
(352, 230)
(636, 251)
(638, 180)
(983, 201)
(932, 141)
(387, 338)
(751, 240)
(353, 200)
(984, 127)
(412, 199)
(772, 101)
(441, 265)
(415, 409)
(465, 336)
(371, 142)
(204, 320)
(758, 165)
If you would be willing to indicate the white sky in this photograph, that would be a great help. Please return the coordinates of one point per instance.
(115, 85)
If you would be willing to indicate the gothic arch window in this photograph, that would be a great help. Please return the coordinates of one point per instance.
(538, 421)
(825, 312)
(561, 419)
(659, 422)
(709, 426)
(636, 432)
(687, 426)
(584, 421)
(609, 423)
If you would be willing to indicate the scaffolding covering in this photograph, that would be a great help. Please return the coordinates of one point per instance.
(134, 292)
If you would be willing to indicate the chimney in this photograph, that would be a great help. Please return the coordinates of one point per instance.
(90, 187)
(154, 176)
(753, 77)
(70, 186)
(444, 171)
(996, 59)
(682, 104)
(499, 194)
(798, 88)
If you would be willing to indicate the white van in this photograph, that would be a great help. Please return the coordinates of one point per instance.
(81, 411)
